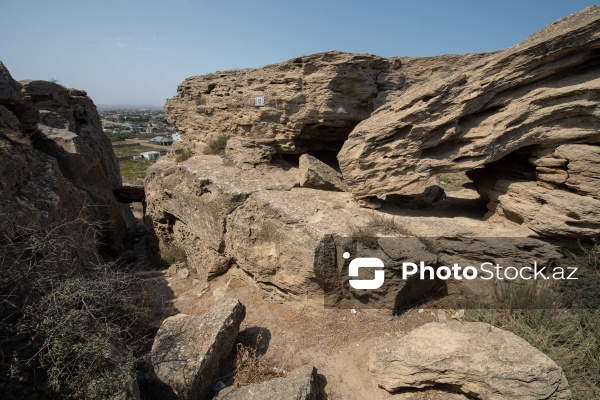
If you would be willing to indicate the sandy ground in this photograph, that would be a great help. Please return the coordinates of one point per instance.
(336, 341)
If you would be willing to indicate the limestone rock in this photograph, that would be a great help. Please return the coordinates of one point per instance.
(69, 130)
(188, 350)
(283, 240)
(311, 102)
(10, 90)
(250, 151)
(542, 92)
(548, 211)
(189, 202)
(56, 165)
(300, 384)
(316, 174)
(583, 168)
(475, 358)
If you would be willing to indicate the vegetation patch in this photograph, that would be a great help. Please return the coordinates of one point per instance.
(563, 325)
(69, 327)
(133, 172)
(168, 255)
(218, 144)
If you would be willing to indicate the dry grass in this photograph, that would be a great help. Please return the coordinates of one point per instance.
(569, 335)
(249, 367)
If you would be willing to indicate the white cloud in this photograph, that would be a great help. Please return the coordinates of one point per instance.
(114, 42)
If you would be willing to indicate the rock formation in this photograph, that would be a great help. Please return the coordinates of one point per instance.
(316, 174)
(300, 384)
(57, 164)
(474, 358)
(188, 350)
(529, 100)
(523, 124)
(311, 103)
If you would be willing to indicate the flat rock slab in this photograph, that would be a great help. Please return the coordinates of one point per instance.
(476, 358)
(188, 350)
(300, 384)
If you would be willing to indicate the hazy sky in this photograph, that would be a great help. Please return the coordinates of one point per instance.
(138, 51)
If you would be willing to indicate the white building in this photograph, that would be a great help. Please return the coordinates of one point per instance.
(177, 137)
(150, 155)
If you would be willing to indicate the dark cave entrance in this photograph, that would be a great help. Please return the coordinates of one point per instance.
(322, 140)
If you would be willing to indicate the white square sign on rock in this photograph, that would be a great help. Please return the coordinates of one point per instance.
(259, 101)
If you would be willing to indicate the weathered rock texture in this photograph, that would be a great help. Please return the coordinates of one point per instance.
(477, 359)
(522, 122)
(188, 350)
(57, 165)
(255, 218)
(314, 173)
(311, 102)
(534, 97)
(300, 384)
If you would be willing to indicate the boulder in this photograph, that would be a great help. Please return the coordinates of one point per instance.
(315, 174)
(545, 210)
(538, 94)
(474, 358)
(300, 384)
(189, 203)
(188, 350)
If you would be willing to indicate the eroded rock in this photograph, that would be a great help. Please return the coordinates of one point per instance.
(189, 203)
(10, 90)
(310, 102)
(58, 164)
(300, 384)
(474, 358)
(314, 173)
(188, 350)
(541, 93)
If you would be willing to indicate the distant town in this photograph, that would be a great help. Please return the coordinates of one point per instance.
(139, 136)
(135, 121)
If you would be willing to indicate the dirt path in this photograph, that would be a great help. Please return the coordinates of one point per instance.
(336, 342)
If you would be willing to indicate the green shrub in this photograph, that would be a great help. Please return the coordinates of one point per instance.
(71, 331)
(119, 137)
(219, 143)
(446, 179)
(168, 255)
(183, 155)
(570, 334)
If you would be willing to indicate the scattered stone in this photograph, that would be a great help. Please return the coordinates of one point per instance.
(315, 174)
(188, 350)
(441, 315)
(183, 273)
(475, 358)
(300, 384)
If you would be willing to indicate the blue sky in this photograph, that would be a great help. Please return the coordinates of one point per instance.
(138, 51)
